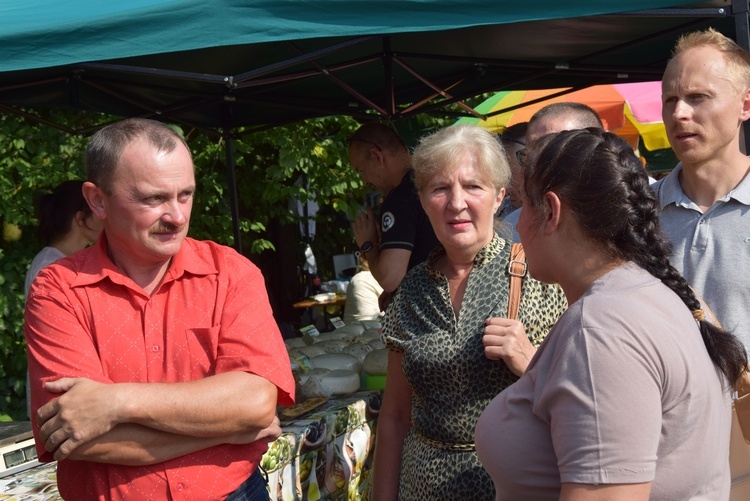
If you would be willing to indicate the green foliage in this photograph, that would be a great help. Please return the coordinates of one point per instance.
(33, 159)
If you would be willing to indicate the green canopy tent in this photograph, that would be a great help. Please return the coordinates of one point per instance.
(224, 64)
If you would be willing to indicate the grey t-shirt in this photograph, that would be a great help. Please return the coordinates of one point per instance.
(712, 249)
(621, 391)
(45, 257)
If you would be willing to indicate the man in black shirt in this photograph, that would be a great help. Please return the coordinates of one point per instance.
(404, 237)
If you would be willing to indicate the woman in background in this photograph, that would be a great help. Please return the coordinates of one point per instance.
(451, 350)
(66, 225)
(628, 396)
(362, 295)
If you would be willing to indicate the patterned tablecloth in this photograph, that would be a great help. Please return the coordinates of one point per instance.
(324, 454)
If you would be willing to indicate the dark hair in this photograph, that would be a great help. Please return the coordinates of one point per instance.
(598, 176)
(58, 209)
(106, 145)
(584, 115)
(516, 133)
(378, 135)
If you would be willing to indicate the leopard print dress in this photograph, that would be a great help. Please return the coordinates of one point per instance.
(451, 379)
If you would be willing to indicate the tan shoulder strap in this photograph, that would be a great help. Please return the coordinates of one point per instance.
(517, 272)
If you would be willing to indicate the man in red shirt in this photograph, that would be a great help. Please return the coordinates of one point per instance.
(155, 361)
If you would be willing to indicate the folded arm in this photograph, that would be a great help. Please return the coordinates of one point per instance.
(224, 407)
(136, 445)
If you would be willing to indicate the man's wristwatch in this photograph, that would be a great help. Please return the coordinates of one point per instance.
(367, 247)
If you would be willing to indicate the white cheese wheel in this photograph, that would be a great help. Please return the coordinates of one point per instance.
(312, 351)
(314, 373)
(333, 345)
(359, 350)
(371, 334)
(294, 342)
(376, 343)
(313, 387)
(341, 382)
(376, 362)
(355, 328)
(336, 336)
(335, 361)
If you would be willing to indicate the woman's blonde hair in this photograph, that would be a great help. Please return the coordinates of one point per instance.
(449, 146)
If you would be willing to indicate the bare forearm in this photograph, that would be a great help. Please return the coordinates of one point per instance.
(229, 404)
(394, 423)
(387, 464)
(135, 445)
(389, 267)
(219, 405)
(605, 492)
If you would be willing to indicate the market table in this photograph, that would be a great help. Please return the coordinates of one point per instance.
(329, 306)
(324, 454)
(338, 300)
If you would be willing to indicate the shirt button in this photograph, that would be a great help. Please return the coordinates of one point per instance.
(179, 487)
(155, 348)
(702, 221)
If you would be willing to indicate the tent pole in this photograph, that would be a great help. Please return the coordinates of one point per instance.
(742, 37)
(232, 179)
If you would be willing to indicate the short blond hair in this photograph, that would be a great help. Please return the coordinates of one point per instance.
(447, 147)
(736, 58)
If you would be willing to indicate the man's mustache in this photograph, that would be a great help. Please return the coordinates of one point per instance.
(166, 228)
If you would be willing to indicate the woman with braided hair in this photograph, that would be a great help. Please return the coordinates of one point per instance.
(628, 397)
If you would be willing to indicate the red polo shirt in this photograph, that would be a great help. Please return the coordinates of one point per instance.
(210, 315)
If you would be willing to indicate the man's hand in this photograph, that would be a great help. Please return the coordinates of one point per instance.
(506, 340)
(86, 410)
(366, 228)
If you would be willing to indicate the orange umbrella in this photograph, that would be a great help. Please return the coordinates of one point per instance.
(630, 110)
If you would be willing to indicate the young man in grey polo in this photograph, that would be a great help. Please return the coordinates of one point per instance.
(705, 201)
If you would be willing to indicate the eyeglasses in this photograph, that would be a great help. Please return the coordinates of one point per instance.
(366, 141)
(521, 156)
(507, 139)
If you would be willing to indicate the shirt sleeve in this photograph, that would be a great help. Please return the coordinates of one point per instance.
(602, 401)
(394, 337)
(398, 220)
(250, 339)
(57, 342)
(541, 306)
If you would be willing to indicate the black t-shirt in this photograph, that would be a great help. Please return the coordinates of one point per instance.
(404, 224)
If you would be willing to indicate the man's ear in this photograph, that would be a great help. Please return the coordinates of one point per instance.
(377, 155)
(553, 211)
(80, 219)
(745, 113)
(498, 200)
(95, 198)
